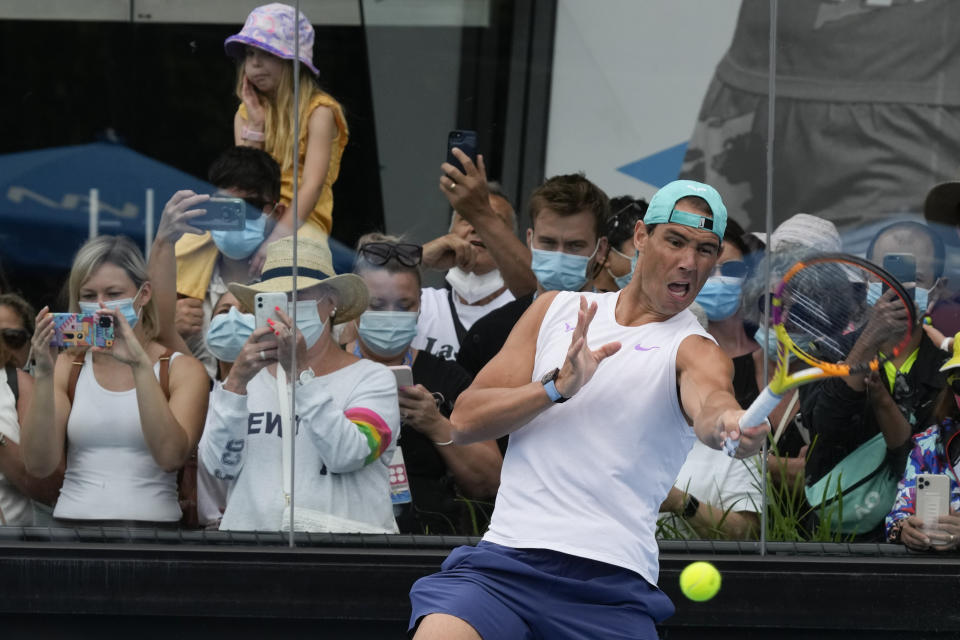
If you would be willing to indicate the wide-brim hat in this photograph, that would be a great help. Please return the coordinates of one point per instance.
(942, 207)
(314, 266)
(954, 361)
(271, 28)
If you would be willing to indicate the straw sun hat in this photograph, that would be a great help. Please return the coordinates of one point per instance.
(315, 266)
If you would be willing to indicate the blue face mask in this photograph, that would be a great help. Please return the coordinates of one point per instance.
(921, 296)
(558, 271)
(625, 279)
(228, 333)
(720, 297)
(124, 306)
(238, 245)
(769, 345)
(309, 322)
(388, 333)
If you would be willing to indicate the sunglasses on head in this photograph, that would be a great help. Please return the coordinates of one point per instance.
(14, 338)
(379, 253)
(625, 217)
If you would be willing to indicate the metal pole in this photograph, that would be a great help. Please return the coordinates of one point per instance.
(293, 295)
(148, 223)
(94, 220)
(771, 107)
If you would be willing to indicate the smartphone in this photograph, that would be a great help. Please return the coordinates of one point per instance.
(82, 330)
(933, 498)
(464, 140)
(902, 266)
(404, 375)
(223, 214)
(265, 307)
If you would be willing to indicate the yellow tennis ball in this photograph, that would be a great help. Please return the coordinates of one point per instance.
(700, 581)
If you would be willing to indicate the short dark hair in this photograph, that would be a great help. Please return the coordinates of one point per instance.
(625, 211)
(939, 252)
(247, 169)
(734, 235)
(569, 195)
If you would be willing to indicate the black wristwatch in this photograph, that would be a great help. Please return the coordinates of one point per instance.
(690, 507)
(549, 385)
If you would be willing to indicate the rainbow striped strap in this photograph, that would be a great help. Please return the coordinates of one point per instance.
(374, 429)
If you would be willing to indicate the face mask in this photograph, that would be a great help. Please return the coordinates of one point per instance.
(625, 279)
(228, 333)
(769, 345)
(238, 245)
(558, 271)
(720, 297)
(472, 287)
(921, 296)
(124, 306)
(388, 333)
(309, 322)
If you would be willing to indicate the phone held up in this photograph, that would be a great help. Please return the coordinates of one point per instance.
(466, 141)
(82, 330)
(265, 307)
(903, 267)
(222, 214)
(933, 499)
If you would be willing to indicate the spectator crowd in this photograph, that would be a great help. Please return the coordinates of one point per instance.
(185, 421)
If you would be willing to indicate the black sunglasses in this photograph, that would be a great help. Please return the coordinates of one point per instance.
(954, 382)
(379, 253)
(14, 338)
(625, 217)
(733, 269)
(255, 207)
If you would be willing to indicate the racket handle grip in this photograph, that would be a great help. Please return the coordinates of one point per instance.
(757, 412)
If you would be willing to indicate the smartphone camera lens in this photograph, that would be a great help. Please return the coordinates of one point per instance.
(105, 321)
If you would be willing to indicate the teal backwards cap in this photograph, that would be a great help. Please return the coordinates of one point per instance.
(661, 207)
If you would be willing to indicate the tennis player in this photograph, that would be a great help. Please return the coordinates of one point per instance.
(602, 395)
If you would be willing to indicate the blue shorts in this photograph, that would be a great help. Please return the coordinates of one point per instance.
(508, 594)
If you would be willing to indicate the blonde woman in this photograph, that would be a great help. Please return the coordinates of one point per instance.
(127, 416)
(265, 119)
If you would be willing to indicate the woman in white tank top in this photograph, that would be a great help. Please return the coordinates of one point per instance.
(122, 437)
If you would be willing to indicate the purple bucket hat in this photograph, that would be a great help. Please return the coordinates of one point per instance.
(270, 28)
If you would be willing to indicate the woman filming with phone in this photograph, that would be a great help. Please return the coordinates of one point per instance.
(127, 415)
(439, 472)
(265, 119)
(935, 456)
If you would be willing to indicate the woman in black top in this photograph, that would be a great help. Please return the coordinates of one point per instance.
(440, 473)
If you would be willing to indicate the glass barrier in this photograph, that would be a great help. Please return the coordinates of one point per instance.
(453, 161)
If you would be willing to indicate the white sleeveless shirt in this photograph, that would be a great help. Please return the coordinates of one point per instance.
(111, 474)
(587, 477)
(15, 506)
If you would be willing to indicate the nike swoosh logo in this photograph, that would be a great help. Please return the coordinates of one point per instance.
(642, 348)
(568, 327)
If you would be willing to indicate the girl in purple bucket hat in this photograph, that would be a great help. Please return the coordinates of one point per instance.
(264, 49)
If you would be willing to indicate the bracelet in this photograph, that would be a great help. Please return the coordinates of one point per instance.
(252, 134)
(3, 440)
(690, 507)
(945, 345)
(443, 444)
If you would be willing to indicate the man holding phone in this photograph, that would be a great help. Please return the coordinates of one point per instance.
(207, 259)
(898, 400)
(486, 264)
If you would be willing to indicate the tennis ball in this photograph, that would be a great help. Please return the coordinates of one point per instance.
(700, 581)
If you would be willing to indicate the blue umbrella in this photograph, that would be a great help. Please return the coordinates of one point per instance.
(44, 198)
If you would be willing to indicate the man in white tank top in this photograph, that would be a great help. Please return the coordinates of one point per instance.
(603, 396)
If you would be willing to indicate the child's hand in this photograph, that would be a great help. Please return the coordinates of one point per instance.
(256, 115)
(936, 336)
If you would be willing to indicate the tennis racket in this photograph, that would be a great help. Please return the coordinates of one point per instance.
(835, 313)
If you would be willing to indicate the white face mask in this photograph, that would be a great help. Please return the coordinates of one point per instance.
(309, 322)
(472, 287)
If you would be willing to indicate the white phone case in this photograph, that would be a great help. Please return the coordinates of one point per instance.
(404, 375)
(933, 498)
(264, 306)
